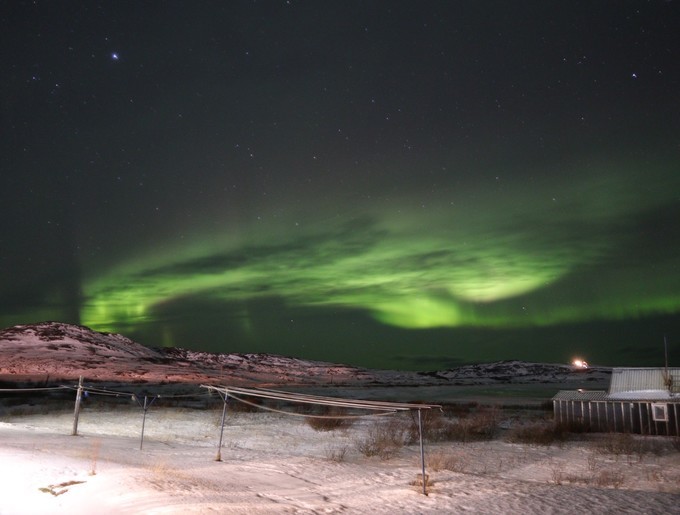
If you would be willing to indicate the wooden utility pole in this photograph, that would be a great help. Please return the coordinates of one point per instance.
(76, 411)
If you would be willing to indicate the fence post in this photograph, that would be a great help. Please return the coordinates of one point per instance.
(76, 411)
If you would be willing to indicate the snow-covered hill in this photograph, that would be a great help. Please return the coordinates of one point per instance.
(55, 337)
(61, 351)
(523, 372)
(64, 351)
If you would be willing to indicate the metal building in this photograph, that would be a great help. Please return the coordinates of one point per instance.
(640, 400)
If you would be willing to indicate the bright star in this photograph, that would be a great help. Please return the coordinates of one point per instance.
(114, 56)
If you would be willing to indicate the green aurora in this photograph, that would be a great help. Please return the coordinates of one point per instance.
(499, 258)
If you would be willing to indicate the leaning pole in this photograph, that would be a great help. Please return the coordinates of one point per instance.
(76, 411)
(225, 398)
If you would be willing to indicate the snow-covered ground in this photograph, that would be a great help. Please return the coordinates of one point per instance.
(273, 463)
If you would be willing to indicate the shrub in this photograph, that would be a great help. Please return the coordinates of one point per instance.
(251, 406)
(537, 433)
(460, 409)
(605, 478)
(383, 440)
(434, 424)
(328, 419)
(618, 444)
(557, 473)
(336, 454)
(445, 461)
(481, 424)
(675, 443)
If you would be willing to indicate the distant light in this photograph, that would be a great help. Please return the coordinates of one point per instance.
(114, 56)
(579, 363)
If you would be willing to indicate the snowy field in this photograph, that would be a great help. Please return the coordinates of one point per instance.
(273, 463)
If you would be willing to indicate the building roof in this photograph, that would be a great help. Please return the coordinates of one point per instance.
(641, 384)
(646, 395)
(642, 379)
(580, 395)
(594, 395)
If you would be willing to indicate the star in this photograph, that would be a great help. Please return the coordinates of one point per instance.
(114, 56)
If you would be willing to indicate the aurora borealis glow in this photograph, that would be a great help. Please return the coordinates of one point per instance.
(462, 271)
(299, 179)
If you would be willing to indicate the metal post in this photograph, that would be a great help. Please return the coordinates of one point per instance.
(224, 414)
(76, 411)
(144, 407)
(422, 452)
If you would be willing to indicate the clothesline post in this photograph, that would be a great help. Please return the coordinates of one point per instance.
(76, 410)
(224, 415)
(422, 452)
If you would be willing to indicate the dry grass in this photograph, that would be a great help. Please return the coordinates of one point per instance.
(542, 432)
(383, 439)
(445, 461)
(418, 483)
(602, 478)
(675, 443)
(618, 444)
(161, 468)
(608, 478)
(328, 419)
(94, 456)
(469, 424)
(336, 454)
(557, 473)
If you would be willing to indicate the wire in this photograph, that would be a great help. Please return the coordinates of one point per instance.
(306, 399)
(32, 389)
(103, 391)
(308, 415)
(319, 400)
(183, 395)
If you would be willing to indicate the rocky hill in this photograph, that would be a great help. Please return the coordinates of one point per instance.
(57, 351)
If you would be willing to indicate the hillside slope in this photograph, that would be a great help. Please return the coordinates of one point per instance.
(61, 351)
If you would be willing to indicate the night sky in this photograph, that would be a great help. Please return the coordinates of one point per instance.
(392, 184)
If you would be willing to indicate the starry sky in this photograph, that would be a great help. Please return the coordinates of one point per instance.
(393, 184)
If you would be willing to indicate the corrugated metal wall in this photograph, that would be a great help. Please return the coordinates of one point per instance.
(635, 379)
(617, 416)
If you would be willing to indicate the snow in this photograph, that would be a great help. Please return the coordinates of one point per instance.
(273, 463)
(278, 464)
